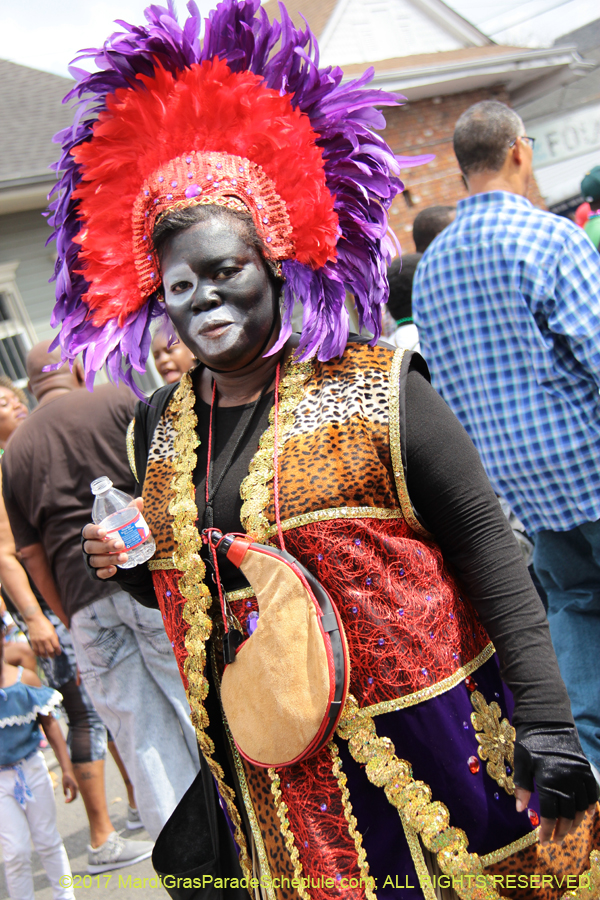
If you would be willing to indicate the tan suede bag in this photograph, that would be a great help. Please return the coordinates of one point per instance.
(284, 687)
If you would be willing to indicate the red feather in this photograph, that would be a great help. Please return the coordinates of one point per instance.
(206, 108)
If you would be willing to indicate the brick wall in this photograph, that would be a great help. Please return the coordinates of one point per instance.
(427, 126)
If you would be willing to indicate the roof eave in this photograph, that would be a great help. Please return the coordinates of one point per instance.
(23, 195)
(526, 74)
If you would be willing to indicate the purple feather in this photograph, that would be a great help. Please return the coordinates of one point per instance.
(360, 169)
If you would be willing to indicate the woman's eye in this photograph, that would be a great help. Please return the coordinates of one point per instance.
(180, 287)
(227, 272)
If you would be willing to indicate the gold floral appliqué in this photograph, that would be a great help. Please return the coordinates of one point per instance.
(496, 739)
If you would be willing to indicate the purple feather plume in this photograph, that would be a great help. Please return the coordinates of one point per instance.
(361, 171)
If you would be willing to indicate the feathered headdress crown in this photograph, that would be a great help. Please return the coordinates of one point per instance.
(245, 120)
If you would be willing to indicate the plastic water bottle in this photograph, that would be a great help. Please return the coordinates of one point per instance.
(116, 512)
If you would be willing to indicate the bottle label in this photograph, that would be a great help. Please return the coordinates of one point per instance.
(133, 533)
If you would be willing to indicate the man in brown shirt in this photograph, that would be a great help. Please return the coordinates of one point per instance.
(125, 659)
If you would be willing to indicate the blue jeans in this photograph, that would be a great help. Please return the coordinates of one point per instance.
(129, 669)
(568, 565)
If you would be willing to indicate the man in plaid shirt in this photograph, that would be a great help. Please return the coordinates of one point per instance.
(507, 302)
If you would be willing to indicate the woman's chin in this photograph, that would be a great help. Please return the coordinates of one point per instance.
(225, 363)
(224, 355)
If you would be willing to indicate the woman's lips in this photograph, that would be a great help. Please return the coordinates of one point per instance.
(213, 328)
(215, 331)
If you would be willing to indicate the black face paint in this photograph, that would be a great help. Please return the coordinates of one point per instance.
(219, 295)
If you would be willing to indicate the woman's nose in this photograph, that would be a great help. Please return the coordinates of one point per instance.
(206, 296)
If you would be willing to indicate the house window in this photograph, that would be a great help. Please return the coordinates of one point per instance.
(17, 334)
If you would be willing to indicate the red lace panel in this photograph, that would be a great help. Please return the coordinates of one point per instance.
(171, 605)
(406, 622)
(316, 816)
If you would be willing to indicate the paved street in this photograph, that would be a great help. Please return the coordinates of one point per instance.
(72, 824)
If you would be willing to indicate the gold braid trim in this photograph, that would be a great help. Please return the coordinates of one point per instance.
(430, 820)
(254, 489)
(342, 512)
(433, 690)
(156, 565)
(521, 843)
(396, 446)
(240, 594)
(287, 833)
(130, 444)
(319, 515)
(590, 890)
(265, 868)
(353, 831)
(416, 851)
(187, 559)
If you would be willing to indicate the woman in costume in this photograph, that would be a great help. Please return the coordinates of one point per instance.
(222, 182)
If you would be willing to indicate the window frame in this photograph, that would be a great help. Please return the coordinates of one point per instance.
(18, 324)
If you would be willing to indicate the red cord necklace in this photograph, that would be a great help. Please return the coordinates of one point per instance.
(211, 492)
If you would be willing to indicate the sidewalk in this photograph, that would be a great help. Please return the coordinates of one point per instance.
(122, 884)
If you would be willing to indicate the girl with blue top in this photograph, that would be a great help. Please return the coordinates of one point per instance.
(27, 807)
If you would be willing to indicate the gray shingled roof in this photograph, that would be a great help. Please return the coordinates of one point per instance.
(586, 38)
(30, 113)
(582, 92)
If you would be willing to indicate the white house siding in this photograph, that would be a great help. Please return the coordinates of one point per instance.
(370, 30)
(566, 147)
(22, 238)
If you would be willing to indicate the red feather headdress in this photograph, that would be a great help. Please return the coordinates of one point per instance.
(205, 136)
(245, 119)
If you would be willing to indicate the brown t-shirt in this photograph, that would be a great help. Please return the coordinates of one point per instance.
(46, 473)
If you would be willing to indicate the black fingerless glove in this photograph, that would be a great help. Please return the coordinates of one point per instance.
(551, 755)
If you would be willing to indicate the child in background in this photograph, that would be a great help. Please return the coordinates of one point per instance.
(27, 807)
(17, 651)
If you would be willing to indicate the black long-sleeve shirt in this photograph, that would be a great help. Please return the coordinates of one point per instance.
(453, 497)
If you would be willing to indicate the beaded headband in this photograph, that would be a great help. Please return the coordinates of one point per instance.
(207, 179)
(296, 149)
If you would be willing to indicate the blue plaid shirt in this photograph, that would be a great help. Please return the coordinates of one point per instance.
(507, 300)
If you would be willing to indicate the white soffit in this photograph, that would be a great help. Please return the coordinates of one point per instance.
(362, 31)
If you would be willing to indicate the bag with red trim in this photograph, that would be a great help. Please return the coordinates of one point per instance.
(297, 657)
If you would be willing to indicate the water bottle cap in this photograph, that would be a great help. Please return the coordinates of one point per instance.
(100, 485)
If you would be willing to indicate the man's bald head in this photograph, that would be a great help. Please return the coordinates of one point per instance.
(42, 383)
